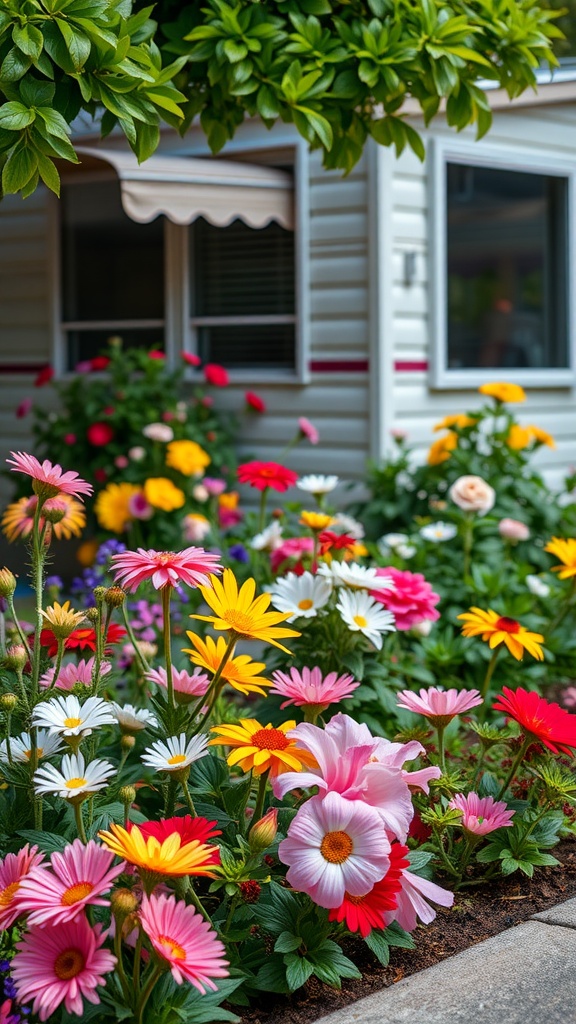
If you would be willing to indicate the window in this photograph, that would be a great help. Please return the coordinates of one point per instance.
(501, 272)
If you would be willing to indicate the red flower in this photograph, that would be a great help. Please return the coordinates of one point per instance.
(190, 830)
(100, 434)
(100, 475)
(69, 438)
(99, 363)
(191, 359)
(81, 639)
(363, 913)
(44, 377)
(266, 474)
(24, 408)
(217, 375)
(549, 723)
(156, 354)
(108, 410)
(338, 541)
(255, 402)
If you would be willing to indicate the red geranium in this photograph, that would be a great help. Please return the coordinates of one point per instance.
(82, 639)
(100, 434)
(99, 363)
(255, 402)
(156, 354)
(548, 723)
(262, 475)
(44, 377)
(363, 913)
(339, 541)
(191, 358)
(216, 374)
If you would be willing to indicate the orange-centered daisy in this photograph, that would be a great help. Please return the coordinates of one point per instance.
(261, 748)
(565, 551)
(499, 629)
(243, 615)
(241, 672)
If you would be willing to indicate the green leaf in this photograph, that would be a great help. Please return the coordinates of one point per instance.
(48, 842)
(396, 936)
(235, 51)
(14, 65)
(287, 942)
(19, 169)
(298, 970)
(29, 39)
(48, 173)
(147, 139)
(35, 93)
(320, 125)
(14, 116)
(377, 943)
(272, 976)
(77, 44)
(55, 123)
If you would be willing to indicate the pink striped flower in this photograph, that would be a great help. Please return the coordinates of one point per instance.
(481, 815)
(309, 688)
(411, 904)
(186, 685)
(48, 480)
(76, 878)
(440, 706)
(182, 938)
(71, 674)
(13, 870)
(333, 847)
(61, 965)
(191, 566)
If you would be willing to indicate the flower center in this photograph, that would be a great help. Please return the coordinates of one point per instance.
(270, 739)
(68, 964)
(39, 750)
(336, 847)
(508, 625)
(305, 604)
(361, 621)
(164, 557)
(72, 723)
(354, 899)
(177, 759)
(239, 621)
(75, 783)
(7, 894)
(174, 950)
(75, 893)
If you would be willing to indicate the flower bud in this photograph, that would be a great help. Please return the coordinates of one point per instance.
(92, 614)
(127, 794)
(127, 742)
(99, 594)
(8, 702)
(16, 657)
(250, 891)
(115, 597)
(7, 582)
(263, 832)
(123, 902)
(54, 510)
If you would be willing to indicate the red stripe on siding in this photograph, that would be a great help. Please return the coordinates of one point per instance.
(411, 366)
(22, 367)
(339, 366)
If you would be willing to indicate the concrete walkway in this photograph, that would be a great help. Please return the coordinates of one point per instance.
(525, 975)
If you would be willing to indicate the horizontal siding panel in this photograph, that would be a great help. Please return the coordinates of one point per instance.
(345, 398)
(345, 463)
(409, 226)
(27, 251)
(338, 301)
(24, 225)
(339, 195)
(29, 285)
(327, 333)
(344, 227)
(411, 300)
(279, 430)
(332, 270)
(17, 314)
(410, 193)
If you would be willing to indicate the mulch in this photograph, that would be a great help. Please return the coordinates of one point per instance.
(476, 915)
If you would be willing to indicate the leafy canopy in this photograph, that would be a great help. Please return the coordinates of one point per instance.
(339, 71)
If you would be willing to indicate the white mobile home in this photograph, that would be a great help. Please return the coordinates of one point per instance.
(369, 303)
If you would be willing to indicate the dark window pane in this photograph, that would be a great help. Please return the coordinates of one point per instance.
(507, 269)
(83, 345)
(261, 345)
(112, 268)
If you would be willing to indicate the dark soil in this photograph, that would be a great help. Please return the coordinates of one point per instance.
(476, 915)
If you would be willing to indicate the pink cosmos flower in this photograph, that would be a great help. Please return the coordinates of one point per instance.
(165, 568)
(76, 878)
(188, 685)
(440, 706)
(182, 938)
(310, 688)
(139, 507)
(481, 815)
(412, 600)
(61, 965)
(13, 869)
(335, 846)
(288, 555)
(411, 904)
(307, 429)
(214, 486)
(71, 674)
(48, 479)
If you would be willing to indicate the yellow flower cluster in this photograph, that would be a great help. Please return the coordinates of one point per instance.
(187, 457)
(520, 437)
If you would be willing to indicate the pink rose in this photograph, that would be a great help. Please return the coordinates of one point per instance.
(412, 600)
(513, 529)
(288, 556)
(472, 494)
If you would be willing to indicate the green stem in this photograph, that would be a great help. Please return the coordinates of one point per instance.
(262, 517)
(145, 667)
(201, 909)
(468, 534)
(211, 695)
(233, 905)
(137, 960)
(261, 796)
(21, 634)
(189, 799)
(57, 667)
(147, 992)
(484, 689)
(120, 963)
(564, 608)
(8, 747)
(441, 751)
(519, 757)
(38, 556)
(166, 592)
(443, 857)
(80, 822)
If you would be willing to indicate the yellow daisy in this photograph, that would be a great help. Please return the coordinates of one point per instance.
(187, 457)
(460, 420)
(440, 450)
(542, 436)
(241, 672)
(112, 506)
(565, 551)
(499, 629)
(229, 500)
(62, 619)
(316, 521)
(518, 437)
(503, 392)
(161, 493)
(162, 856)
(260, 748)
(243, 615)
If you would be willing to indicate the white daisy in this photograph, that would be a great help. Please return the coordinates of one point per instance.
(537, 586)
(176, 753)
(405, 550)
(317, 484)
(437, 532)
(390, 541)
(362, 614)
(67, 716)
(357, 577)
(21, 746)
(341, 523)
(131, 719)
(269, 539)
(302, 596)
(74, 778)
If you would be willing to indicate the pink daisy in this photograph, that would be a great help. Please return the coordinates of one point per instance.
(165, 568)
(13, 869)
(188, 685)
(481, 815)
(78, 877)
(335, 846)
(411, 599)
(185, 940)
(71, 674)
(309, 688)
(48, 480)
(440, 706)
(61, 965)
(411, 904)
(307, 429)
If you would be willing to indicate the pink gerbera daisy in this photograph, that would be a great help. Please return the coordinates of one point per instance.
(309, 688)
(481, 815)
(440, 706)
(77, 877)
(335, 846)
(188, 685)
(71, 674)
(307, 429)
(48, 480)
(182, 938)
(13, 869)
(61, 965)
(165, 568)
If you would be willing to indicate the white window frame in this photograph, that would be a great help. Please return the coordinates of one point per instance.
(179, 333)
(444, 151)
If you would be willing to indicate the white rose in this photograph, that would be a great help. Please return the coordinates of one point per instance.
(472, 494)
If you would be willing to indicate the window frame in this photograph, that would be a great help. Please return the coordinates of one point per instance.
(442, 152)
(179, 334)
